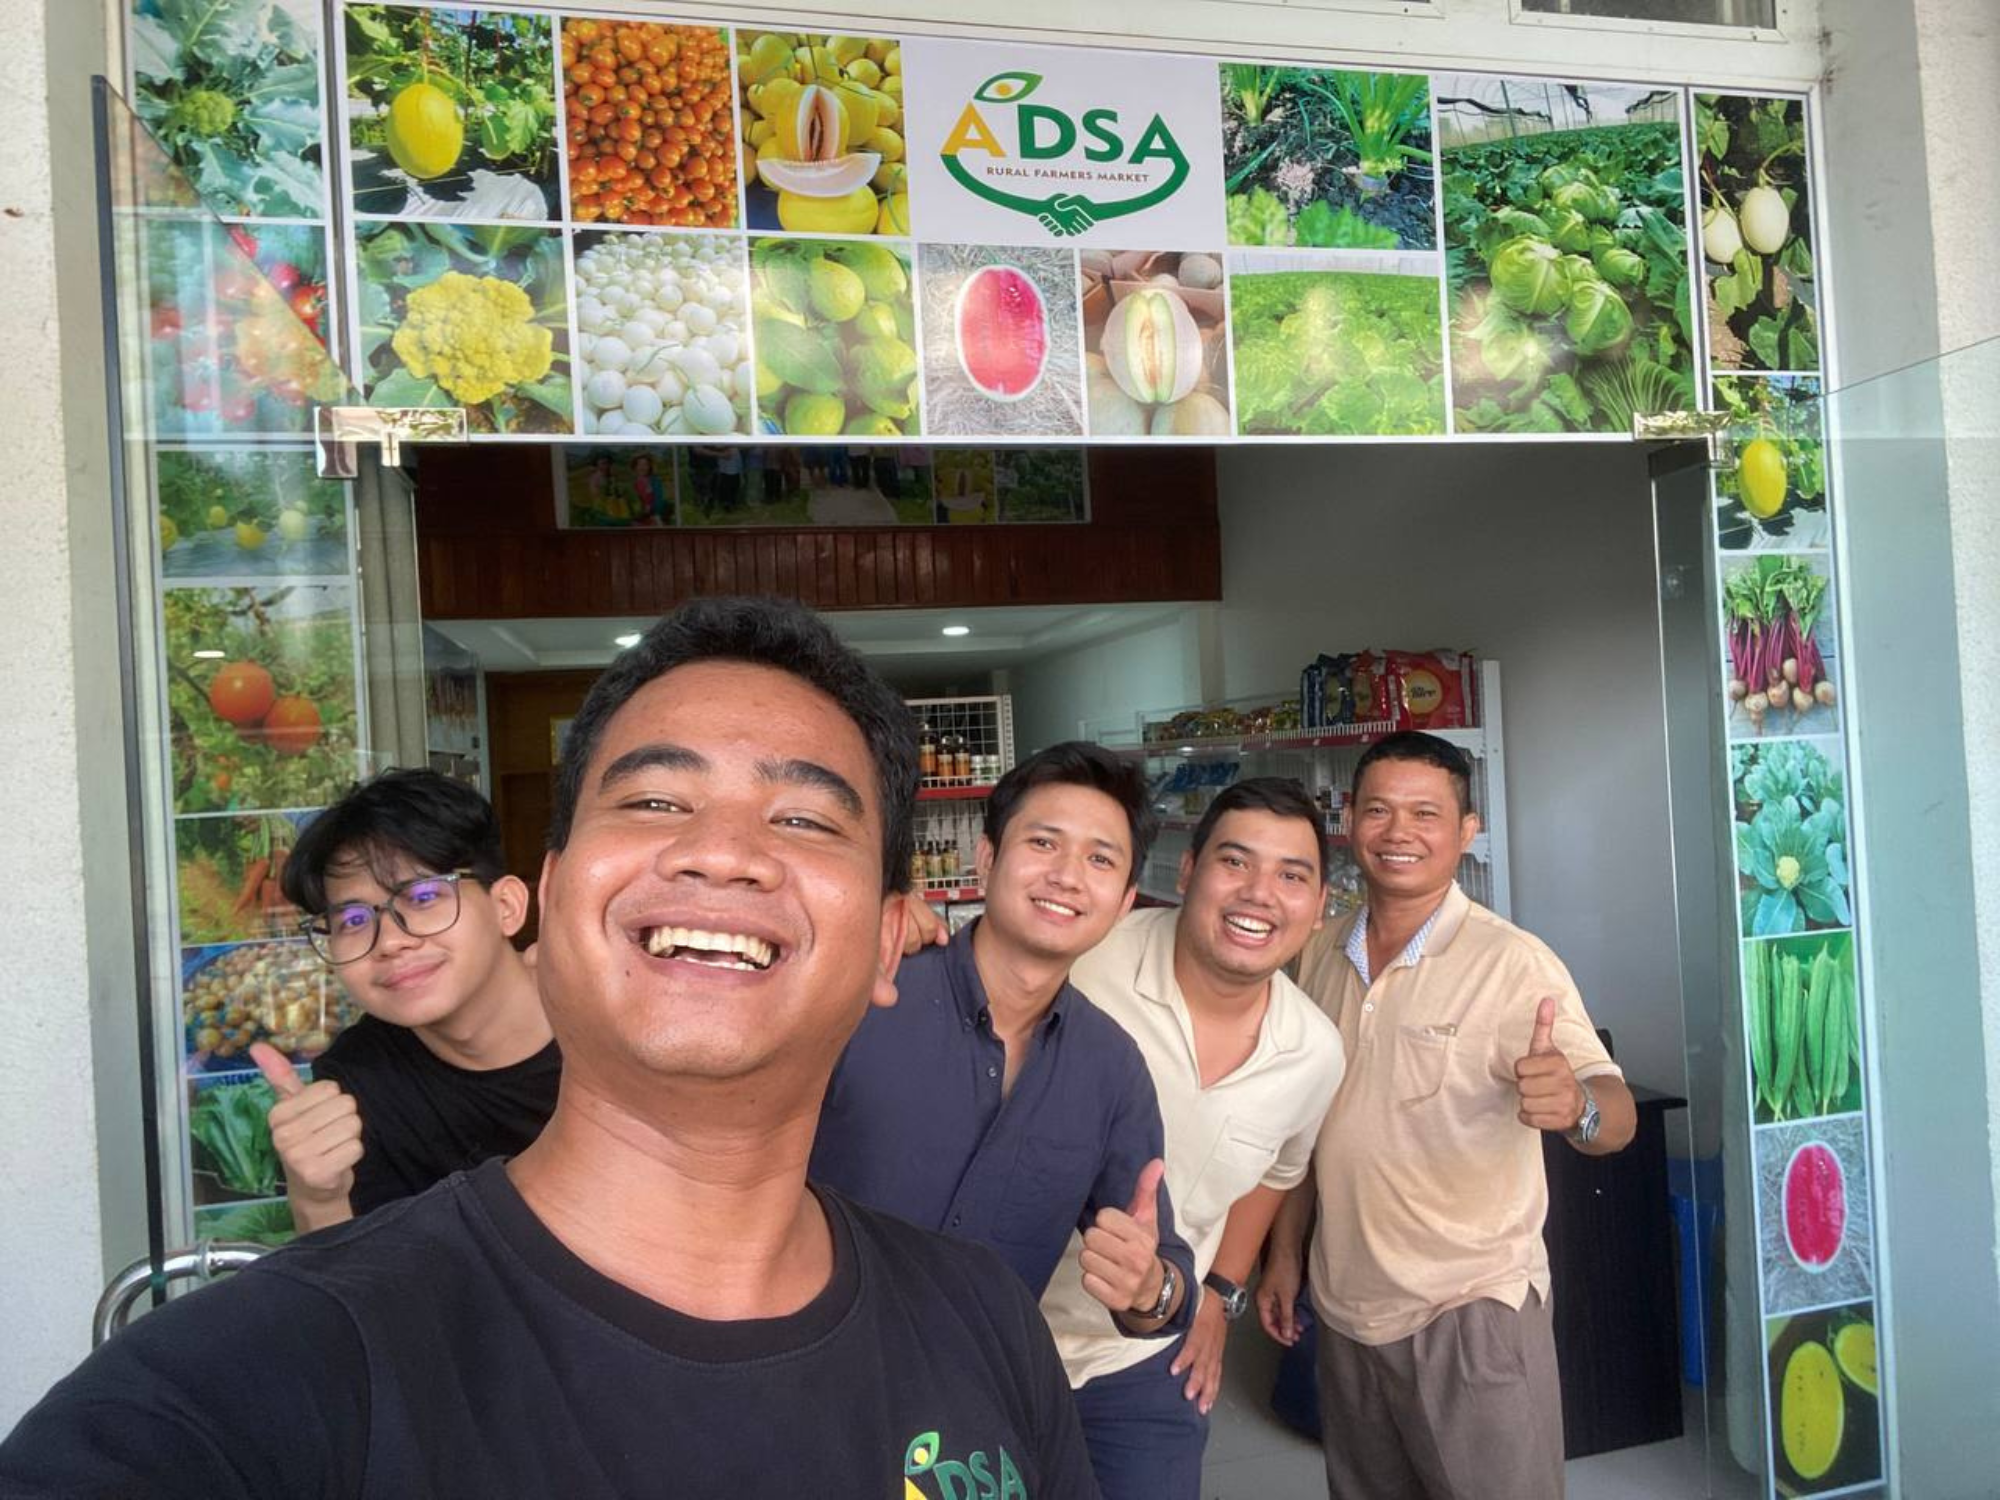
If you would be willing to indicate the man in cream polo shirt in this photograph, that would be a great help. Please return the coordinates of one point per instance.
(1465, 1040)
(1245, 1067)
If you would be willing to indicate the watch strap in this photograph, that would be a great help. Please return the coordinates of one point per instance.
(1234, 1298)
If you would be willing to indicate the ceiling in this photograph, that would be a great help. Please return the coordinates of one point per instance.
(904, 644)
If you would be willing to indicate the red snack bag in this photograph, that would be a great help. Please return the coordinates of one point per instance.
(1369, 687)
(1432, 689)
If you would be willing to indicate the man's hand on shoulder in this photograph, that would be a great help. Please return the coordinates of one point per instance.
(316, 1131)
(924, 928)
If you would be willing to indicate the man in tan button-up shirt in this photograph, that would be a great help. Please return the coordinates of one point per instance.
(1465, 1039)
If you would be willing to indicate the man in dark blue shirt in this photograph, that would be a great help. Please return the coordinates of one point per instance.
(993, 1101)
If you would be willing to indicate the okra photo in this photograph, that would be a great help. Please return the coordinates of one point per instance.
(1799, 1002)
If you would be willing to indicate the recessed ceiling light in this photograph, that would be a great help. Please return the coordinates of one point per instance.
(624, 641)
(210, 655)
(956, 630)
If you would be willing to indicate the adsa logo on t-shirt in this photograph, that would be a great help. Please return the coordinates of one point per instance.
(977, 1478)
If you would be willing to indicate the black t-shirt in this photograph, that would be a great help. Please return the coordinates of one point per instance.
(422, 1118)
(450, 1346)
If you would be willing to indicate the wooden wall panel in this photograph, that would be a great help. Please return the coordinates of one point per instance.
(488, 548)
(520, 707)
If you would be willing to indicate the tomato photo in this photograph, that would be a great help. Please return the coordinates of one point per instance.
(260, 696)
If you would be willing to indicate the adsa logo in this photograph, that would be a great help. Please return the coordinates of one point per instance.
(977, 1478)
(1043, 134)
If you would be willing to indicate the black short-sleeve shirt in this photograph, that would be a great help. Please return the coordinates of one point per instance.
(423, 1118)
(451, 1346)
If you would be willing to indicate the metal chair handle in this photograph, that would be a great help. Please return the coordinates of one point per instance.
(203, 1261)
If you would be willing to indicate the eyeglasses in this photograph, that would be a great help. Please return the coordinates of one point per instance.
(423, 906)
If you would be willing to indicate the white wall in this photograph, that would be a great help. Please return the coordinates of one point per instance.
(70, 1194)
(1099, 690)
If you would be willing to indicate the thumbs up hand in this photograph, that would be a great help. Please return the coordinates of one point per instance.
(316, 1130)
(1121, 1262)
(1551, 1098)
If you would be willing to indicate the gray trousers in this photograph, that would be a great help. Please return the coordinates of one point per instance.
(1466, 1408)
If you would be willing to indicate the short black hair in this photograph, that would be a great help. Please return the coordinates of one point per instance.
(763, 632)
(1078, 763)
(1283, 795)
(427, 818)
(1424, 749)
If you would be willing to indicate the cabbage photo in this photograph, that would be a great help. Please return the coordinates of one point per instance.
(1566, 252)
(1328, 352)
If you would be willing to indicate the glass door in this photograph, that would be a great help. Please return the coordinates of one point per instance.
(270, 656)
(1812, 610)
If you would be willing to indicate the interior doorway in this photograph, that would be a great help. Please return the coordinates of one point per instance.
(1539, 559)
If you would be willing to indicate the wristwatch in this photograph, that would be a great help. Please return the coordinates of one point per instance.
(1170, 1281)
(1584, 1131)
(1235, 1299)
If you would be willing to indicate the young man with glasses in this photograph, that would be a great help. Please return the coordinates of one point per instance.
(408, 901)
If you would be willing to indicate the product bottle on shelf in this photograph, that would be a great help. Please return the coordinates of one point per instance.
(947, 755)
(926, 753)
(962, 760)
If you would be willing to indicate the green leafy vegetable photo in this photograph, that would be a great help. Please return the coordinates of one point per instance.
(1566, 251)
(231, 89)
(1756, 233)
(233, 1154)
(1327, 160)
(453, 315)
(1324, 353)
(1791, 841)
(260, 1223)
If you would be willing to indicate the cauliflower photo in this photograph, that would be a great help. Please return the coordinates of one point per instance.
(478, 318)
(473, 335)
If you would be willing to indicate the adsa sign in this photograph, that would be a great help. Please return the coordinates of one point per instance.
(1023, 146)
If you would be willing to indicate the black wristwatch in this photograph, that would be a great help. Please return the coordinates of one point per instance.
(1235, 1299)
(1170, 1281)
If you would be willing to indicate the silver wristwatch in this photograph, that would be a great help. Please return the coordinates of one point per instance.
(1170, 1281)
(1584, 1131)
(1235, 1300)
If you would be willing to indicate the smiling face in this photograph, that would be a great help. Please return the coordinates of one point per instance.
(1062, 873)
(717, 910)
(1252, 896)
(1407, 829)
(421, 981)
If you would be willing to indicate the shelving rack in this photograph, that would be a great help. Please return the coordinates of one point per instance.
(971, 744)
(1323, 760)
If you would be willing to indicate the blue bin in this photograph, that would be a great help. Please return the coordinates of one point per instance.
(1694, 1189)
